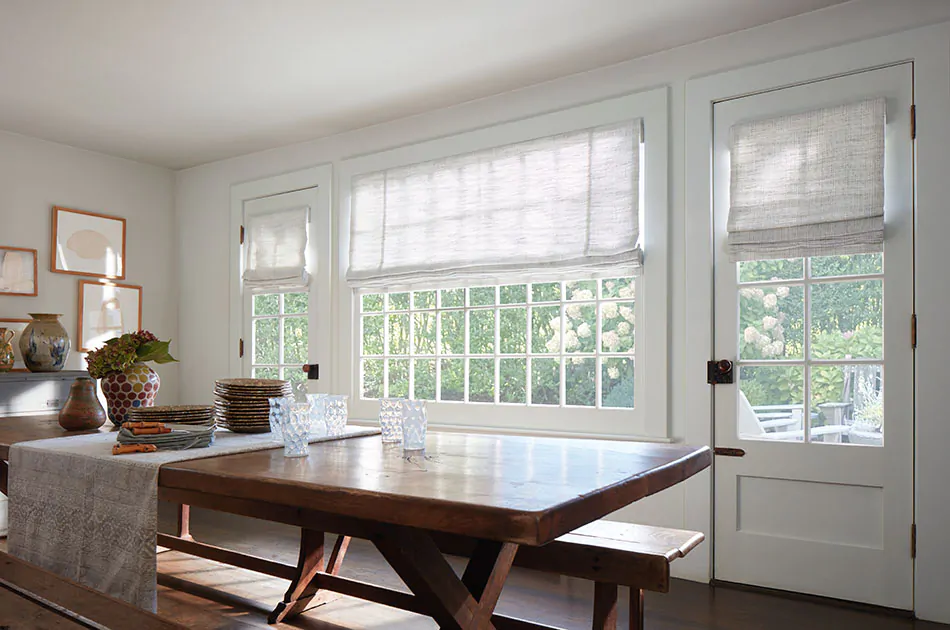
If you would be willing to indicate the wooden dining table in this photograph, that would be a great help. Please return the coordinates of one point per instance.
(497, 491)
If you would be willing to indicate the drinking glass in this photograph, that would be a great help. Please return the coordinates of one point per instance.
(335, 414)
(297, 431)
(390, 419)
(279, 409)
(414, 425)
(318, 411)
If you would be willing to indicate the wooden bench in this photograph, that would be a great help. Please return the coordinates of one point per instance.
(609, 553)
(33, 598)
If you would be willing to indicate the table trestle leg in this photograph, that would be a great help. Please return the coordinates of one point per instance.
(310, 566)
(184, 522)
(450, 601)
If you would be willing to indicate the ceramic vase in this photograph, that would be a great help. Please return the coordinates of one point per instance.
(82, 411)
(6, 350)
(44, 343)
(136, 387)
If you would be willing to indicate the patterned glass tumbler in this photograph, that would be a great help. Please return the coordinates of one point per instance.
(318, 413)
(297, 431)
(390, 419)
(335, 414)
(279, 410)
(414, 425)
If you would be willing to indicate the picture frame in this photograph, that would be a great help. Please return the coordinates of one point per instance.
(106, 311)
(17, 325)
(19, 273)
(87, 244)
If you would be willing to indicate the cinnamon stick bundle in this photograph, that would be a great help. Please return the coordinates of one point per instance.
(151, 430)
(141, 425)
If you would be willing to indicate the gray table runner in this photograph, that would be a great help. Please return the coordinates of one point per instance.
(90, 516)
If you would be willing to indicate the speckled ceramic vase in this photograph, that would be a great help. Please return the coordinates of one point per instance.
(82, 410)
(7, 358)
(44, 343)
(136, 387)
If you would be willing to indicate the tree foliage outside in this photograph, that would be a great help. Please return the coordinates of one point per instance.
(846, 323)
(494, 337)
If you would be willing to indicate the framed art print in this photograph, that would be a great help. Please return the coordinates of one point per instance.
(18, 271)
(88, 244)
(17, 326)
(107, 310)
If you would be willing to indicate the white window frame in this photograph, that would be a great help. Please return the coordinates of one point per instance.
(649, 419)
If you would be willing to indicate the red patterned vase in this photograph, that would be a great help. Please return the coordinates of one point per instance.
(136, 387)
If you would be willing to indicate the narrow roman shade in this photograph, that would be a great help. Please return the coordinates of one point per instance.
(276, 249)
(809, 184)
(544, 209)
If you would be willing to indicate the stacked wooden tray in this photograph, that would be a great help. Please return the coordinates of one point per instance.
(241, 404)
(178, 414)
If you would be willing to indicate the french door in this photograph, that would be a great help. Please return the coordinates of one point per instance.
(822, 407)
(286, 329)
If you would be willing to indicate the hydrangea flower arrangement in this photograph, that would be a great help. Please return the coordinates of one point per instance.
(118, 354)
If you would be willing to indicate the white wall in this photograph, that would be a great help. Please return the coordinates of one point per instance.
(203, 198)
(35, 175)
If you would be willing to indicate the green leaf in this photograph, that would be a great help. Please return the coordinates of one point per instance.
(156, 351)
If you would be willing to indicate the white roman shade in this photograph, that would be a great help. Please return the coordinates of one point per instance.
(276, 248)
(809, 184)
(544, 209)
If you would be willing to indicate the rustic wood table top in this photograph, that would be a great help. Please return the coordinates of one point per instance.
(15, 429)
(527, 490)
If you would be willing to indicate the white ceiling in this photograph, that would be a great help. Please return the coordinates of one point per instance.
(183, 82)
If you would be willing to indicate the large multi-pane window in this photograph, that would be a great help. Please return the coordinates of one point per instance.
(544, 344)
(811, 347)
(279, 326)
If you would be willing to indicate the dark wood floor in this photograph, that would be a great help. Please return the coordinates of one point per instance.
(202, 594)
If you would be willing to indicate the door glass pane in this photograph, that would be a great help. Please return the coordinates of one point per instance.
(295, 303)
(771, 322)
(770, 404)
(765, 270)
(295, 340)
(266, 304)
(846, 320)
(266, 372)
(847, 404)
(266, 341)
(851, 265)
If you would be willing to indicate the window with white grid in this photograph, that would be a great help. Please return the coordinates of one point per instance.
(567, 344)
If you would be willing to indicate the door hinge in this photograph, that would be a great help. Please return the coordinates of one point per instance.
(913, 540)
(241, 348)
(242, 235)
(913, 122)
(913, 330)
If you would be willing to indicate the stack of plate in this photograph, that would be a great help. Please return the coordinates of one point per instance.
(179, 414)
(182, 436)
(241, 404)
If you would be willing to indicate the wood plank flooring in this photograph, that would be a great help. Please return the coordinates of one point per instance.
(205, 595)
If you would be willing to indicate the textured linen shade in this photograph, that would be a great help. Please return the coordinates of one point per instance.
(276, 249)
(808, 184)
(547, 208)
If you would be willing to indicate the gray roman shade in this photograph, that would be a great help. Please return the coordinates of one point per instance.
(544, 209)
(809, 184)
(276, 249)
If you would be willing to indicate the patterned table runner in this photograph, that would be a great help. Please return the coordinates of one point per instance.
(90, 516)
